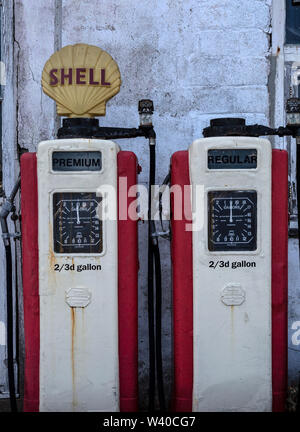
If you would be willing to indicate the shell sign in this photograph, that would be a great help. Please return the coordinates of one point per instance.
(81, 79)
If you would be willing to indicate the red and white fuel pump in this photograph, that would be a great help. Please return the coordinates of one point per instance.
(80, 252)
(79, 280)
(79, 268)
(229, 257)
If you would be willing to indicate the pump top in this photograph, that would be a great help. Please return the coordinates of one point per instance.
(238, 127)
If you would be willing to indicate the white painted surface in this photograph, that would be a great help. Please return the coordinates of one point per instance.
(79, 363)
(2, 333)
(232, 344)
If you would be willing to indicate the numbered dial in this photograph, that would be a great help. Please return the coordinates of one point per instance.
(232, 220)
(76, 224)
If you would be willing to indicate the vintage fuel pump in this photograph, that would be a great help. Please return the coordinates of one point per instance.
(79, 267)
(230, 277)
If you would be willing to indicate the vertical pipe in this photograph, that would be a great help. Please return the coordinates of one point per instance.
(151, 328)
(10, 332)
(158, 328)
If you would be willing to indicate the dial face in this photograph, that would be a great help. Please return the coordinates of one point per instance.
(232, 217)
(76, 225)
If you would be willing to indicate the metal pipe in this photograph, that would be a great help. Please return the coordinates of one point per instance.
(151, 327)
(6, 209)
(158, 329)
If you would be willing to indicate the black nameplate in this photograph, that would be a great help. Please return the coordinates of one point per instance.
(232, 159)
(77, 161)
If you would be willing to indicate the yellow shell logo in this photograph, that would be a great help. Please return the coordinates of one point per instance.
(81, 79)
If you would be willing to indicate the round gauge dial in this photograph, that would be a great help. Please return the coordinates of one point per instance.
(232, 220)
(77, 227)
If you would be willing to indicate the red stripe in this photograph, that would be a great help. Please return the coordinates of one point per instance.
(279, 277)
(128, 300)
(182, 273)
(29, 208)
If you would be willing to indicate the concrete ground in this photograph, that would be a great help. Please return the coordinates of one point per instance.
(292, 404)
(5, 405)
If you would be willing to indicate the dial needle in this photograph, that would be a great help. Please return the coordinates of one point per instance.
(77, 211)
(231, 212)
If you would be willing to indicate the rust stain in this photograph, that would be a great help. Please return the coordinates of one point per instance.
(83, 323)
(52, 259)
(73, 324)
(232, 317)
(278, 51)
(82, 331)
(51, 272)
(232, 326)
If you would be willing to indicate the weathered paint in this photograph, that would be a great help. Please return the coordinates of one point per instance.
(79, 364)
(127, 292)
(183, 287)
(231, 357)
(176, 58)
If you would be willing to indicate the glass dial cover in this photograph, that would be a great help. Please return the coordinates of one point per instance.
(232, 220)
(76, 224)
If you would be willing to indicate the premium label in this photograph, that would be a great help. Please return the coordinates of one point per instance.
(77, 161)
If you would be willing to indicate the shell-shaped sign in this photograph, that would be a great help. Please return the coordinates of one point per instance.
(81, 79)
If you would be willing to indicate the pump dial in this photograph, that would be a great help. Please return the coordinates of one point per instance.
(232, 220)
(76, 224)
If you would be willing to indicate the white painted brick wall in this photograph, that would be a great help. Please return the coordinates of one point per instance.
(196, 59)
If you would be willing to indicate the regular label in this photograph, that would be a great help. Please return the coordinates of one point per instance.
(232, 159)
